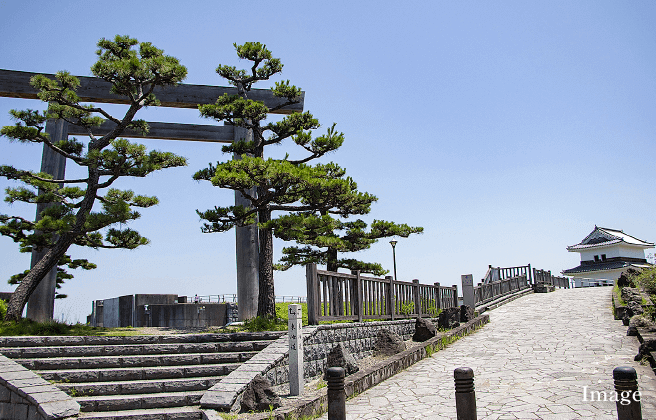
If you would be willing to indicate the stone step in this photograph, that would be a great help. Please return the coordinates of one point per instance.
(131, 349)
(50, 341)
(99, 362)
(138, 373)
(151, 386)
(173, 413)
(139, 401)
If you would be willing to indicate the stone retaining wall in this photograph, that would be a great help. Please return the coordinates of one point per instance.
(25, 395)
(273, 362)
(358, 338)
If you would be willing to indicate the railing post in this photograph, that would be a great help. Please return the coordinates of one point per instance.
(415, 290)
(313, 304)
(628, 396)
(530, 275)
(336, 393)
(390, 296)
(438, 300)
(358, 287)
(455, 295)
(465, 395)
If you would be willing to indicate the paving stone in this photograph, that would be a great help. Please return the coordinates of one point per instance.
(532, 361)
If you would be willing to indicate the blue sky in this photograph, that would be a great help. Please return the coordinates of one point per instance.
(506, 129)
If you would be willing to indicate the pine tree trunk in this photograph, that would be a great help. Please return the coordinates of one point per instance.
(30, 282)
(331, 260)
(266, 304)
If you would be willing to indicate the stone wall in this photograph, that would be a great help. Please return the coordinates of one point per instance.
(24, 395)
(358, 338)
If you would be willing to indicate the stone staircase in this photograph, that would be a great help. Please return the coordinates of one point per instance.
(137, 377)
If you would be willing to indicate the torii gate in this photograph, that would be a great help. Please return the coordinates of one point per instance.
(16, 84)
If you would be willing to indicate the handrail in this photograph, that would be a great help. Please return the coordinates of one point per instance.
(342, 296)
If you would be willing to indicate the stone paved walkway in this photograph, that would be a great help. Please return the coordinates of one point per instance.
(530, 362)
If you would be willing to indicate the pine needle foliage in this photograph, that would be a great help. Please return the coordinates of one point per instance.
(272, 186)
(72, 216)
(325, 237)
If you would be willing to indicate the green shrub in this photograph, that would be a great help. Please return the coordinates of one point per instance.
(3, 309)
(647, 280)
(265, 324)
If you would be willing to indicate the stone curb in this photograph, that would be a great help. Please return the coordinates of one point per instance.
(503, 300)
(317, 403)
(20, 386)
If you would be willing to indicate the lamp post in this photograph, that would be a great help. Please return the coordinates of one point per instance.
(393, 243)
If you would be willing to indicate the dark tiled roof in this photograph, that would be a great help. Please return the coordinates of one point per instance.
(601, 237)
(597, 267)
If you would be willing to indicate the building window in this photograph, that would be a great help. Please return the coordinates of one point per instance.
(596, 258)
(603, 257)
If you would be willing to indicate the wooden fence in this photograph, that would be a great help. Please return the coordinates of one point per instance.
(545, 277)
(502, 273)
(341, 296)
(487, 292)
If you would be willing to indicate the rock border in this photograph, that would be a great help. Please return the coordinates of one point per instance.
(619, 310)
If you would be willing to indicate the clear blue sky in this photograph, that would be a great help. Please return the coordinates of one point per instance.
(506, 129)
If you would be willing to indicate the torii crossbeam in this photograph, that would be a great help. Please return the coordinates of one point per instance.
(16, 84)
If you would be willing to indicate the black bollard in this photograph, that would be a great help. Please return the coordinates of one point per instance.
(628, 396)
(336, 394)
(465, 395)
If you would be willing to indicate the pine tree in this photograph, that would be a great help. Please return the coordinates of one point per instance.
(273, 185)
(332, 236)
(71, 218)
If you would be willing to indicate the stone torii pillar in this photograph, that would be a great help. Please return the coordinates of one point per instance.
(248, 253)
(16, 84)
(41, 304)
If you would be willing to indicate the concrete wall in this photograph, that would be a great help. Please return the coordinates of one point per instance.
(151, 299)
(110, 313)
(183, 315)
(163, 311)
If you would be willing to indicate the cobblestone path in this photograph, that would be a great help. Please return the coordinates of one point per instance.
(532, 361)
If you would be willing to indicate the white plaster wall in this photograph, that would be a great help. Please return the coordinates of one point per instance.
(632, 252)
(613, 251)
(601, 275)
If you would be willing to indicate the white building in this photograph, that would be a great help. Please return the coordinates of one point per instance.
(606, 253)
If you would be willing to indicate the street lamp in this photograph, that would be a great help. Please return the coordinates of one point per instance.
(393, 243)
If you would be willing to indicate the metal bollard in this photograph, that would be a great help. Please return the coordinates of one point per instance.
(465, 395)
(336, 394)
(628, 396)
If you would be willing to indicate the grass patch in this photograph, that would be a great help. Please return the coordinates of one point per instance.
(618, 295)
(28, 327)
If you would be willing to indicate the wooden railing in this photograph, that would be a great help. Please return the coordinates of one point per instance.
(341, 296)
(544, 276)
(502, 273)
(487, 292)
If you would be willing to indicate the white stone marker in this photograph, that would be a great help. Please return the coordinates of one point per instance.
(468, 297)
(295, 327)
